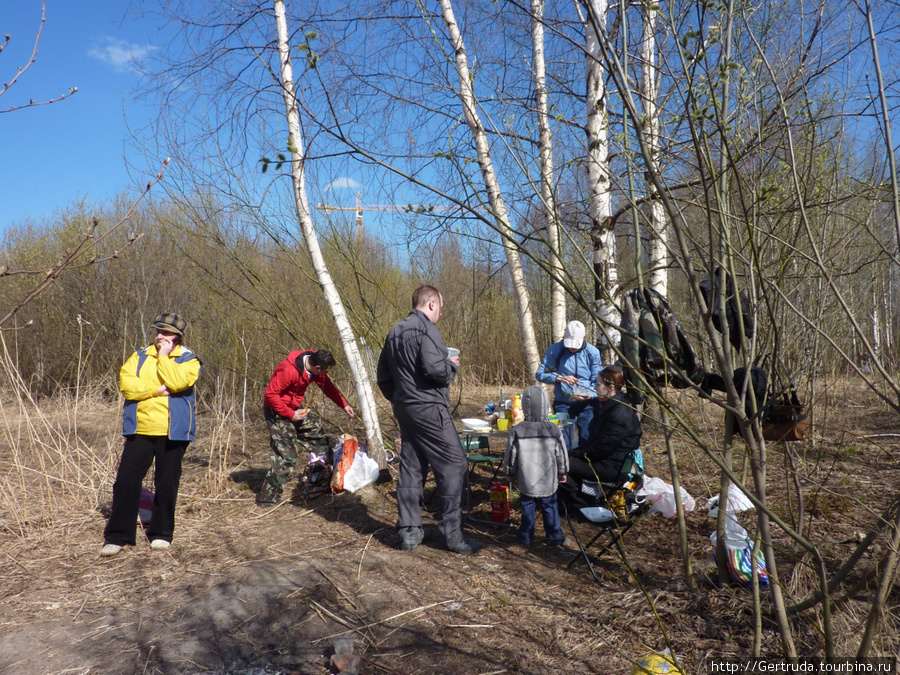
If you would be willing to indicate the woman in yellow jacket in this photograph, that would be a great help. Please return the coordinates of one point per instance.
(159, 423)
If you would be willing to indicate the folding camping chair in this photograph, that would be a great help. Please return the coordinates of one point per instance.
(476, 443)
(611, 512)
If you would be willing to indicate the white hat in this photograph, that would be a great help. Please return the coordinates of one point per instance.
(573, 338)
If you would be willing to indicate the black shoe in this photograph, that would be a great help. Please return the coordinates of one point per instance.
(410, 537)
(268, 496)
(266, 503)
(466, 547)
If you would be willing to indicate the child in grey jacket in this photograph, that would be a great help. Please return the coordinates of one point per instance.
(536, 456)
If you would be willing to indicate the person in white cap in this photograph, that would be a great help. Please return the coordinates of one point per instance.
(572, 367)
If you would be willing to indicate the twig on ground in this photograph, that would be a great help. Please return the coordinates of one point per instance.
(390, 618)
(334, 616)
(365, 548)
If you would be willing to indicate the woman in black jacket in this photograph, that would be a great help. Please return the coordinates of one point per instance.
(615, 432)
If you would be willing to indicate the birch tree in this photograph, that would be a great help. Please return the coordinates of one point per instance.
(495, 195)
(658, 279)
(605, 256)
(357, 367)
(549, 213)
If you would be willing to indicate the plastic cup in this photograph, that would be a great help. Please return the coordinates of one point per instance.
(502, 424)
(451, 352)
(562, 417)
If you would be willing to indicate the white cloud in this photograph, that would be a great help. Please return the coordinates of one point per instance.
(344, 183)
(121, 55)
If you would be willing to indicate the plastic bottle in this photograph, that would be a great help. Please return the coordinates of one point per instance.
(518, 413)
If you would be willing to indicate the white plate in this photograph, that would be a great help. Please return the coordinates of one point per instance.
(597, 514)
(475, 424)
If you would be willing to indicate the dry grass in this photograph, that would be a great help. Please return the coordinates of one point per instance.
(274, 588)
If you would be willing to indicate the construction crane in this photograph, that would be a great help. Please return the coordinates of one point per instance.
(408, 208)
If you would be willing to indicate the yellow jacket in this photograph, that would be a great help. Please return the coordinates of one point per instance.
(148, 413)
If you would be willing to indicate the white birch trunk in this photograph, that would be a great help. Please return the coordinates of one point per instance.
(495, 198)
(876, 319)
(545, 147)
(358, 371)
(657, 225)
(600, 196)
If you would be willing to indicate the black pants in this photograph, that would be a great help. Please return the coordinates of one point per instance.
(429, 438)
(137, 456)
(603, 472)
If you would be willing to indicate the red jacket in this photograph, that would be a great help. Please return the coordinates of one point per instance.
(289, 382)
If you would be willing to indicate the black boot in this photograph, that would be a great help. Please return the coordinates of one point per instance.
(410, 537)
(465, 546)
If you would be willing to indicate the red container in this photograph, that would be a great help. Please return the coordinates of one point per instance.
(499, 502)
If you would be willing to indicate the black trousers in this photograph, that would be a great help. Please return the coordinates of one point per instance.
(137, 456)
(601, 471)
(430, 439)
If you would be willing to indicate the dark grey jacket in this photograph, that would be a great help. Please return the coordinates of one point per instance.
(413, 367)
(536, 451)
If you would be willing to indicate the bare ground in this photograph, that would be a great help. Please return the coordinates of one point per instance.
(244, 590)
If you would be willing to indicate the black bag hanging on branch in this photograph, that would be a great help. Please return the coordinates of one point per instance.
(785, 416)
(655, 347)
(738, 308)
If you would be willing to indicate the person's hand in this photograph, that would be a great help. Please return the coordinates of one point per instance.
(454, 360)
(567, 379)
(163, 390)
(299, 414)
(349, 411)
(561, 478)
(165, 343)
(580, 398)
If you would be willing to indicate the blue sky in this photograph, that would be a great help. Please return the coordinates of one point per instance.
(76, 148)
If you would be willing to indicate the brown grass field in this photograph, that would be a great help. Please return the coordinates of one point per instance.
(244, 590)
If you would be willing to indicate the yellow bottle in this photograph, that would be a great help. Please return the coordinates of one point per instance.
(616, 503)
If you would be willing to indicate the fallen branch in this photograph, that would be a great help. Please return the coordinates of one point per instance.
(390, 618)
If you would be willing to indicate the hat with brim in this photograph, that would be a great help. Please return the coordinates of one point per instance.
(171, 323)
(573, 338)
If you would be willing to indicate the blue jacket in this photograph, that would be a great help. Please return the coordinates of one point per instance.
(146, 412)
(585, 364)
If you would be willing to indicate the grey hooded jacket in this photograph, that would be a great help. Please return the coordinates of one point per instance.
(536, 452)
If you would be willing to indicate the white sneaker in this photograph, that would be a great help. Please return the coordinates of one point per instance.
(159, 544)
(110, 550)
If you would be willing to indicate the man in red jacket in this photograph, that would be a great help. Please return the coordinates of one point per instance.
(291, 426)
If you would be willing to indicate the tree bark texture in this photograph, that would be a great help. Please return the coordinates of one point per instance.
(367, 409)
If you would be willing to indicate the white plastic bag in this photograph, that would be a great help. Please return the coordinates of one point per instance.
(738, 502)
(661, 496)
(363, 471)
(735, 535)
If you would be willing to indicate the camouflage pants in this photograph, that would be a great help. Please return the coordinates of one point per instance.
(289, 440)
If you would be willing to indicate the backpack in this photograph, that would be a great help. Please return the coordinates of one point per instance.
(316, 480)
(654, 345)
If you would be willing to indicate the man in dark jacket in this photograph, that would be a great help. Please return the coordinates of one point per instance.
(414, 374)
